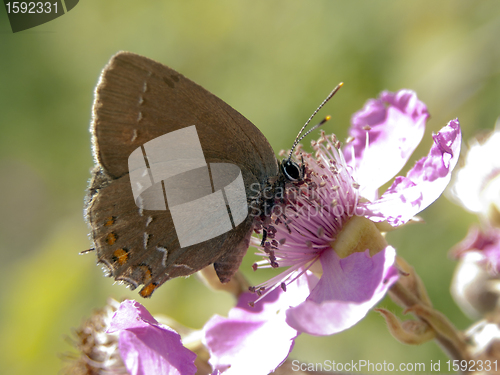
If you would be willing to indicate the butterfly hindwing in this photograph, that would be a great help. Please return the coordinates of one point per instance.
(138, 100)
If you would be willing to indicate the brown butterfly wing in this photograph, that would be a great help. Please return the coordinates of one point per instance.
(138, 100)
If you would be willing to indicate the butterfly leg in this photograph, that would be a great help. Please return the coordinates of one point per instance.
(264, 237)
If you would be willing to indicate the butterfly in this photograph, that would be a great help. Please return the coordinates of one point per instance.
(138, 101)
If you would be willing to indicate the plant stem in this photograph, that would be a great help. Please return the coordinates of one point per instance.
(447, 336)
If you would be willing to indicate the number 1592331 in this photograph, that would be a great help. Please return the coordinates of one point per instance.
(31, 7)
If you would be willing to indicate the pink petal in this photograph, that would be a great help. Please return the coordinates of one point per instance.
(423, 184)
(254, 340)
(486, 243)
(148, 347)
(397, 122)
(348, 289)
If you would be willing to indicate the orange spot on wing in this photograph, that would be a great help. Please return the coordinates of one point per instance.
(111, 238)
(120, 256)
(110, 221)
(148, 290)
(147, 275)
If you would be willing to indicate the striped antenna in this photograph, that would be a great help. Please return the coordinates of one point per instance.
(299, 137)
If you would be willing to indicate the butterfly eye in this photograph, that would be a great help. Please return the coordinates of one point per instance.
(291, 170)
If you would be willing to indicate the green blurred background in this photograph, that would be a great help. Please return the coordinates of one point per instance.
(274, 61)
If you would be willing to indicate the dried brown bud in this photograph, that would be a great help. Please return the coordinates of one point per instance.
(411, 332)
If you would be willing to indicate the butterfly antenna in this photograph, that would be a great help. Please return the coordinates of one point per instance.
(299, 137)
(327, 118)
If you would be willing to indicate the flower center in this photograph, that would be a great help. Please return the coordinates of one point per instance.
(357, 235)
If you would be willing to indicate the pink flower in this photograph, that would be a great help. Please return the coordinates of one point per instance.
(254, 340)
(392, 126)
(477, 184)
(477, 188)
(475, 282)
(485, 243)
(328, 224)
(148, 347)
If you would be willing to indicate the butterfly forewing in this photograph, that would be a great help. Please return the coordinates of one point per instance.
(138, 100)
